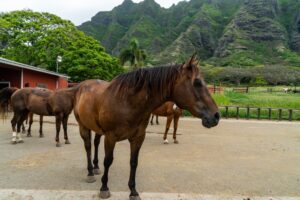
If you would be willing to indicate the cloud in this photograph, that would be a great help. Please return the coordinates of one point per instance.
(78, 11)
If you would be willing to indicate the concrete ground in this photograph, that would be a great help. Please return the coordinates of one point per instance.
(234, 160)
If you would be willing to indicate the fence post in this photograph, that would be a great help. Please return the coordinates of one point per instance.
(226, 112)
(237, 112)
(247, 89)
(270, 113)
(248, 112)
(258, 113)
(214, 88)
(290, 114)
(279, 114)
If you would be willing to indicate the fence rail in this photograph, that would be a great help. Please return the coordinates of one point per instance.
(248, 112)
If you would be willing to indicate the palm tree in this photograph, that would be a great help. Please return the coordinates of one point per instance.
(133, 54)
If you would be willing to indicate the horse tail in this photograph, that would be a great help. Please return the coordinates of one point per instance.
(5, 95)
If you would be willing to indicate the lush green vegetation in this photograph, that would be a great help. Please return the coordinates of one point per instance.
(38, 38)
(233, 33)
(260, 98)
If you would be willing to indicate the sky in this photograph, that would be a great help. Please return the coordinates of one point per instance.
(78, 11)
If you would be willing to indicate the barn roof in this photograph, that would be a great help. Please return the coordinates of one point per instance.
(29, 67)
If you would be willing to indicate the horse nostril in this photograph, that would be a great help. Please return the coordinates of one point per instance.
(217, 116)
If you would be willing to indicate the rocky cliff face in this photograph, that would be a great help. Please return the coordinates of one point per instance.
(295, 34)
(231, 32)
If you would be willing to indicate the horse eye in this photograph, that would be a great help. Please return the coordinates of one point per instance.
(197, 83)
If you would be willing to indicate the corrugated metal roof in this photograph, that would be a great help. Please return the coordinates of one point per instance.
(24, 66)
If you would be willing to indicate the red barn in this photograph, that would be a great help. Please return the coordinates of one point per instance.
(15, 74)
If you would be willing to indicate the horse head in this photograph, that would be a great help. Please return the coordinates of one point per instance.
(190, 93)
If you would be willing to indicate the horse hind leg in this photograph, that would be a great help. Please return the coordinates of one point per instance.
(19, 124)
(41, 126)
(13, 125)
(176, 119)
(95, 161)
(58, 120)
(30, 124)
(65, 127)
(169, 120)
(86, 136)
(157, 122)
(151, 121)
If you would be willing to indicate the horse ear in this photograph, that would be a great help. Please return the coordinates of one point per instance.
(189, 62)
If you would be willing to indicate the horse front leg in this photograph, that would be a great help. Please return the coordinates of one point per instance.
(86, 136)
(135, 146)
(65, 127)
(41, 126)
(109, 146)
(95, 161)
(58, 119)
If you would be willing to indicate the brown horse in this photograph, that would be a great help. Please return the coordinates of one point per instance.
(5, 103)
(121, 110)
(171, 111)
(44, 102)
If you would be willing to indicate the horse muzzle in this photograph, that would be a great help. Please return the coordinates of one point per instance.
(209, 121)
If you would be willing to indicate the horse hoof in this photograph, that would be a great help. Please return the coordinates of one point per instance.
(13, 142)
(58, 145)
(134, 198)
(104, 194)
(21, 141)
(29, 135)
(90, 179)
(176, 142)
(166, 141)
(41, 136)
(96, 171)
(67, 142)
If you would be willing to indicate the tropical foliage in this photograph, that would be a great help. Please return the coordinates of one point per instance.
(38, 38)
(134, 55)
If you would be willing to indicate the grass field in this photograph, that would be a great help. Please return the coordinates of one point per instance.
(261, 98)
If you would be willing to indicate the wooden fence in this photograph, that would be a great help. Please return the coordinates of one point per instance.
(256, 113)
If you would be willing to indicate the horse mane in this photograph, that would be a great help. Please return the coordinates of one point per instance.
(155, 80)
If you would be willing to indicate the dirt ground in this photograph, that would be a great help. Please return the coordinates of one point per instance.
(256, 158)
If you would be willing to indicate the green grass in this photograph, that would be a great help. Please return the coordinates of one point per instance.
(259, 98)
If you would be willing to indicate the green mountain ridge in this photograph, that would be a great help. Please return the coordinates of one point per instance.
(221, 32)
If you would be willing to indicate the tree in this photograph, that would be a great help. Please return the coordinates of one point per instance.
(277, 74)
(236, 75)
(38, 38)
(133, 54)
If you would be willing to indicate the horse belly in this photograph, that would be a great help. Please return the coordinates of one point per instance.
(39, 106)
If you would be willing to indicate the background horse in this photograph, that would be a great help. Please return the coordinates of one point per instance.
(44, 102)
(121, 110)
(5, 104)
(171, 111)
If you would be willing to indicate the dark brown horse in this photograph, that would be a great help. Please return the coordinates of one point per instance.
(171, 111)
(5, 103)
(43, 102)
(121, 110)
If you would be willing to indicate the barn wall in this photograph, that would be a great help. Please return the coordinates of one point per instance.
(62, 82)
(37, 79)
